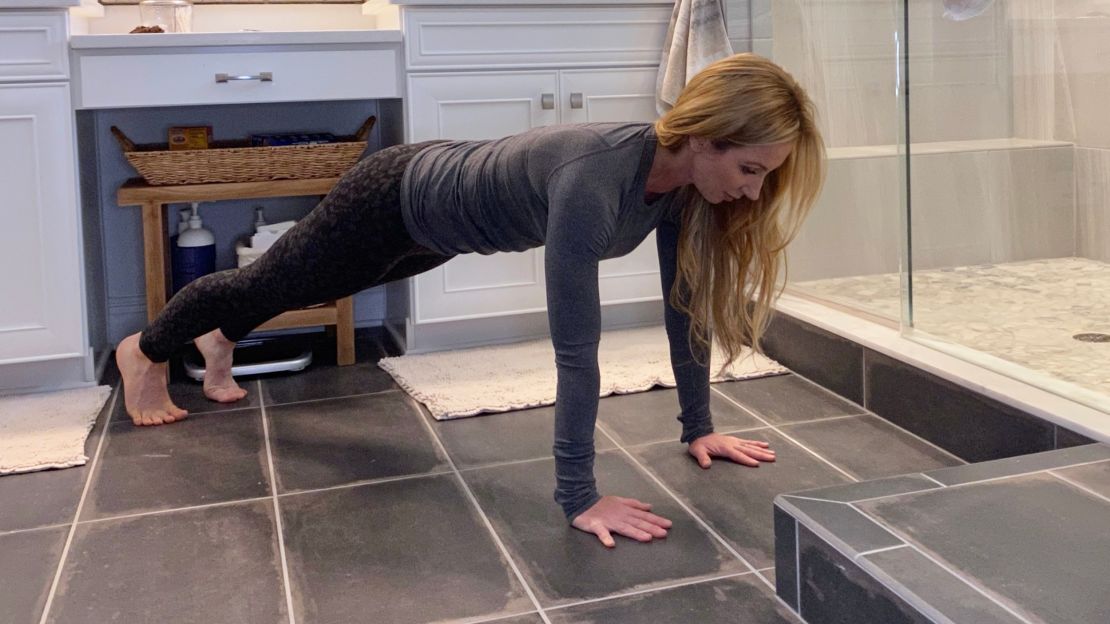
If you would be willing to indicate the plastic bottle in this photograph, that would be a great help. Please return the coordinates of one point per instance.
(195, 254)
(182, 220)
(259, 219)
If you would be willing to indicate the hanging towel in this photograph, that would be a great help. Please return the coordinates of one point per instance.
(696, 37)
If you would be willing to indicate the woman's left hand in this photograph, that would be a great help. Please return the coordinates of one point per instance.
(746, 452)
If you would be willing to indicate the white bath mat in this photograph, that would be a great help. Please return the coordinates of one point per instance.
(48, 430)
(453, 384)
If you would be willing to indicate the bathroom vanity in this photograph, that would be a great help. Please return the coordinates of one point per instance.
(439, 69)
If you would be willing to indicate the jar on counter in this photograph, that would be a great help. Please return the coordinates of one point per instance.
(173, 16)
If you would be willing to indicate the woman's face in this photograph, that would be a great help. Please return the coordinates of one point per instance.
(722, 175)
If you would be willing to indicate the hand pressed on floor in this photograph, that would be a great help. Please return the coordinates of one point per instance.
(624, 516)
(746, 452)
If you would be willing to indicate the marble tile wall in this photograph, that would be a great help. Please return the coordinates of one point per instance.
(969, 207)
(844, 53)
(1092, 172)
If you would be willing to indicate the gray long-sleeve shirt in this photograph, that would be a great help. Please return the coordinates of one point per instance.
(580, 190)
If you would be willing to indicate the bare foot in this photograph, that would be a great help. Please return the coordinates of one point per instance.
(144, 386)
(218, 382)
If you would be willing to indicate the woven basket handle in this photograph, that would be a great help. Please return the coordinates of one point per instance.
(127, 144)
(364, 130)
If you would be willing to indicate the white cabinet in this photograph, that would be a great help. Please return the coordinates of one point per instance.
(43, 335)
(486, 72)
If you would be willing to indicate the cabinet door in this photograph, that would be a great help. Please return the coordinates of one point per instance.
(480, 106)
(617, 95)
(485, 105)
(42, 314)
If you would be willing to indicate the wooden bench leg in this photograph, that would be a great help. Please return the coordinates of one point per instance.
(345, 331)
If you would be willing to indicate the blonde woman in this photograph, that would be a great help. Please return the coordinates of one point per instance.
(724, 179)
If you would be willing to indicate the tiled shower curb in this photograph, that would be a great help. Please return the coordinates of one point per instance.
(964, 422)
(836, 563)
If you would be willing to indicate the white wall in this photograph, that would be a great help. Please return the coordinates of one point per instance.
(1084, 47)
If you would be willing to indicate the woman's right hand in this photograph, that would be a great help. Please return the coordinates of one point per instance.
(624, 516)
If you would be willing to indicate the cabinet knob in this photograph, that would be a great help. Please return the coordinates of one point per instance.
(576, 100)
(261, 77)
(547, 101)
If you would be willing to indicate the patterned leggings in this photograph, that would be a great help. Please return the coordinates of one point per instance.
(354, 239)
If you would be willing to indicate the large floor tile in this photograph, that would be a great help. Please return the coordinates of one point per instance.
(563, 564)
(216, 564)
(1035, 540)
(49, 497)
(206, 458)
(505, 437)
(27, 568)
(737, 500)
(869, 447)
(726, 601)
(1093, 476)
(787, 398)
(339, 441)
(645, 417)
(402, 552)
(325, 382)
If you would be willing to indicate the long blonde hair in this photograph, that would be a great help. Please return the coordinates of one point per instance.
(731, 253)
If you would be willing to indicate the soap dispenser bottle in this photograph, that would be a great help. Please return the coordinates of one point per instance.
(195, 254)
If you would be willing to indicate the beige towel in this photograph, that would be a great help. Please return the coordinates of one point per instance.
(48, 430)
(500, 378)
(695, 38)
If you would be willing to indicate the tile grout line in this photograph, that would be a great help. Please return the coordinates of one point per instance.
(942, 566)
(1079, 485)
(932, 479)
(481, 512)
(879, 550)
(246, 500)
(330, 398)
(870, 412)
(797, 569)
(788, 437)
(379, 481)
(1024, 473)
(697, 518)
(277, 507)
(649, 590)
(80, 506)
(47, 527)
(159, 512)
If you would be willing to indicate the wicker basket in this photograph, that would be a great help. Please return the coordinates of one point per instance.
(236, 161)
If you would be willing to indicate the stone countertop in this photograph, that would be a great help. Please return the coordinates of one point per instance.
(245, 38)
(38, 4)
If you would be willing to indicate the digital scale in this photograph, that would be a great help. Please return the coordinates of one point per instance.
(257, 356)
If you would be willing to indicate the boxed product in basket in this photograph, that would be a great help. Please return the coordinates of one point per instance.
(237, 161)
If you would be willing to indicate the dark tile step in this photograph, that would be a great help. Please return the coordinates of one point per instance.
(952, 545)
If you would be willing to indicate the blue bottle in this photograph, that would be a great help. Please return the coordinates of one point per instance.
(195, 253)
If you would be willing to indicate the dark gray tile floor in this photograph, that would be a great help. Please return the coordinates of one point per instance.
(329, 497)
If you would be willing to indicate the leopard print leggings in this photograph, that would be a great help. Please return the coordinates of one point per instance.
(354, 239)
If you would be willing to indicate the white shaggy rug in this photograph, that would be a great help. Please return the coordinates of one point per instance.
(453, 384)
(48, 430)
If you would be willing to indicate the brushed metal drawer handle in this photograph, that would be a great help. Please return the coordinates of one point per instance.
(576, 100)
(547, 101)
(261, 77)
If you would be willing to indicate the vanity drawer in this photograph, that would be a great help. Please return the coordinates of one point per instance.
(491, 37)
(33, 46)
(122, 79)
